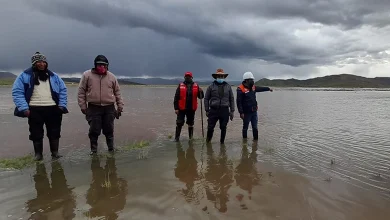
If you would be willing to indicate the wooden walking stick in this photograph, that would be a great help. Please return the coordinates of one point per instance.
(201, 116)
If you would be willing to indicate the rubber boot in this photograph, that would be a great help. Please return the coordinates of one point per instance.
(244, 134)
(94, 146)
(110, 143)
(38, 149)
(177, 133)
(209, 135)
(223, 135)
(190, 132)
(54, 145)
(255, 134)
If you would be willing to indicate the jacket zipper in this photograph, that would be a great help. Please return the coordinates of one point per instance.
(101, 90)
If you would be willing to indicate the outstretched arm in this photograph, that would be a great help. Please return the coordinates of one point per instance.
(263, 89)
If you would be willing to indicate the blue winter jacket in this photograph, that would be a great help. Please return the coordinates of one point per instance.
(24, 86)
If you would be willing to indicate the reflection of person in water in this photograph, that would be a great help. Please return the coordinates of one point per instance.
(246, 172)
(186, 171)
(107, 192)
(54, 200)
(219, 173)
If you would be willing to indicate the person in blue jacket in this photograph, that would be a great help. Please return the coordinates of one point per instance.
(41, 96)
(247, 104)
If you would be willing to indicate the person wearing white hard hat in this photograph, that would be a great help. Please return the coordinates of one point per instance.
(247, 104)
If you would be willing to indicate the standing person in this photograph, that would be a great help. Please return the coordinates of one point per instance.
(247, 104)
(219, 105)
(41, 95)
(98, 92)
(185, 103)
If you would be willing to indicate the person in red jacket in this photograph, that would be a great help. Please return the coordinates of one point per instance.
(185, 103)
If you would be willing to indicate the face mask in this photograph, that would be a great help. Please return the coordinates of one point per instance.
(251, 83)
(220, 80)
(188, 79)
(101, 70)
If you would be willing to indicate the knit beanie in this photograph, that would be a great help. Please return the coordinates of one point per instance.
(38, 57)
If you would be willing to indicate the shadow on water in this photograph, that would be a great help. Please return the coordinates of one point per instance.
(107, 192)
(54, 200)
(216, 174)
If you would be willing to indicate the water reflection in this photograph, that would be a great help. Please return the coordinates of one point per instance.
(55, 200)
(216, 175)
(107, 192)
(219, 177)
(246, 174)
(186, 171)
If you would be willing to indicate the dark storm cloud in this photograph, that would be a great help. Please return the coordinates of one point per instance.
(168, 37)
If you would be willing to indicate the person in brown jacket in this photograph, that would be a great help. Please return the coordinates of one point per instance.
(98, 92)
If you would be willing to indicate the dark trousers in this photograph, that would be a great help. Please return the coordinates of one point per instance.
(100, 118)
(222, 115)
(250, 118)
(253, 119)
(190, 114)
(51, 116)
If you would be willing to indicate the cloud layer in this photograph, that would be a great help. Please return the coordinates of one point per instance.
(298, 38)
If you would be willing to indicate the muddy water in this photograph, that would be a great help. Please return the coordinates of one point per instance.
(321, 155)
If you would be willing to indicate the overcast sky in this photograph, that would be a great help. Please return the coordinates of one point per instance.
(273, 39)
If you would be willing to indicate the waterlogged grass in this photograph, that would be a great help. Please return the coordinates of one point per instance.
(17, 163)
(136, 145)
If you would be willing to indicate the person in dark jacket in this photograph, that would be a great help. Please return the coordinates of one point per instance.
(219, 105)
(41, 96)
(247, 104)
(186, 103)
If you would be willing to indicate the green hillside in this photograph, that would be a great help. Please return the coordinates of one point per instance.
(332, 81)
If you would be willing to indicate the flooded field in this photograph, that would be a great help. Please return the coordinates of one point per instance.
(321, 155)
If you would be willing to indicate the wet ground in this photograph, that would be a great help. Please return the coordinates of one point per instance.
(321, 155)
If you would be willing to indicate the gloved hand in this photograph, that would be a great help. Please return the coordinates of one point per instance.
(84, 111)
(207, 114)
(242, 116)
(118, 113)
(231, 116)
(27, 113)
(62, 109)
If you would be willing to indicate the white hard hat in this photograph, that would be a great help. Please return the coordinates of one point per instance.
(248, 75)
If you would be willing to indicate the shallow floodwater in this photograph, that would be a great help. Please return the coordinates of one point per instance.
(321, 155)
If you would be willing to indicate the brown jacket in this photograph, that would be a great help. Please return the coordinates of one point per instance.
(99, 90)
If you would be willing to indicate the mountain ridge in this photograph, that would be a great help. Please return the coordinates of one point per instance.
(331, 81)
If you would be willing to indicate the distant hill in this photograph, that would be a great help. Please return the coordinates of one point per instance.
(7, 75)
(77, 80)
(176, 81)
(332, 81)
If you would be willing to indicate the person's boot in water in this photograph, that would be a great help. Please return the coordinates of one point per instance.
(54, 145)
(255, 134)
(110, 144)
(190, 132)
(38, 150)
(223, 135)
(209, 135)
(177, 133)
(94, 146)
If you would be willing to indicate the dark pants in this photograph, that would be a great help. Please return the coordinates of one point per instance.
(51, 116)
(222, 115)
(100, 118)
(250, 118)
(190, 114)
